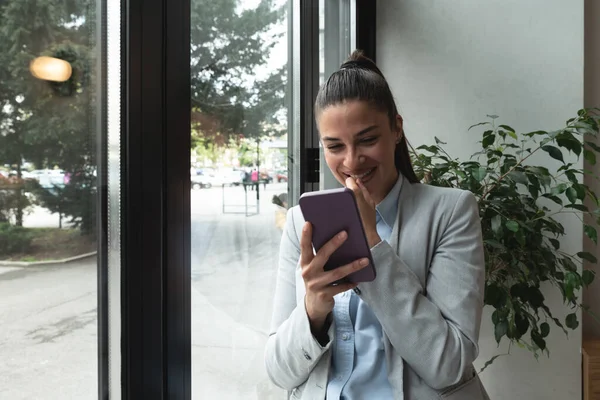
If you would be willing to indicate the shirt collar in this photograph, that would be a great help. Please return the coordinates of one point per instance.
(388, 208)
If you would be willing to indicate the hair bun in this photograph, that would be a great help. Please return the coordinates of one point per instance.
(362, 64)
(358, 60)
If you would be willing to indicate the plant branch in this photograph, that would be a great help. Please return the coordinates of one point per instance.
(509, 171)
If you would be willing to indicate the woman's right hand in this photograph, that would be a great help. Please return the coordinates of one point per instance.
(319, 291)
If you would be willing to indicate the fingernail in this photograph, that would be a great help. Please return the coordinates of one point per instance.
(364, 262)
(342, 235)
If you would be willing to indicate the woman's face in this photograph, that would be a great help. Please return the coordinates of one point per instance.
(359, 142)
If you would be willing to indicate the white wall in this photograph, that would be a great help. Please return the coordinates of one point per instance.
(452, 62)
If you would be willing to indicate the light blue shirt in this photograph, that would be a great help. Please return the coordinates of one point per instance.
(358, 369)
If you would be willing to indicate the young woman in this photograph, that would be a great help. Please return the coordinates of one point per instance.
(411, 333)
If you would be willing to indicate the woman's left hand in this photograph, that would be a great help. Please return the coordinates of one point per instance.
(366, 207)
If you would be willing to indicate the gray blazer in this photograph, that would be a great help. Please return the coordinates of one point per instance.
(428, 297)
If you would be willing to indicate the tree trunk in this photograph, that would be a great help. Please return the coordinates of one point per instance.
(20, 202)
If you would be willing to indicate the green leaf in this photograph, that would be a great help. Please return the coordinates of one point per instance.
(518, 177)
(438, 141)
(481, 123)
(522, 324)
(591, 232)
(508, 128)
(488, 141)
(559, 189)
(555, 243)
(479, 173)
(579, 207)
(580, 189)
(588, 276)
(492, 116)
(538, 340)
(497, 224)
(569, 142)
(513, 135)
(593, 146)
(535, 297)
(544, 329)
(512, 225)
(589, 156)
(500, 330)
(555, 199)
(554, 152)
(571, 176)
(584, 255)
(571, 321)
(572, 195)
(495, 244)
(494, 296)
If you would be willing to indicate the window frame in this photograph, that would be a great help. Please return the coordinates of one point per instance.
(155, 198)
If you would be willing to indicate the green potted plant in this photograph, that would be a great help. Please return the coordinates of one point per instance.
(518, 205)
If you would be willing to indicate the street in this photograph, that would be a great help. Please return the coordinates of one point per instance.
(48, 326)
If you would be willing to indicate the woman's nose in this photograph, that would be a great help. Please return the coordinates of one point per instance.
(353, 160)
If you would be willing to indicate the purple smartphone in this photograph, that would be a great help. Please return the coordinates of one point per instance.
(330, 212)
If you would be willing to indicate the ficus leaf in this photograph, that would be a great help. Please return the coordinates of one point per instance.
(591, 232)
(500, 330)
(571, 321)
(479, 124)
(479, 173)
(593, 146)
(554, 152)
(544, 329)
(590, 156)
(497, 224)
(518, 177)
(588, 276)
(494, 296)
(488, 141)
(584, 255)
(572, 195)
(579, 207)
(538, 340)
(512, 226)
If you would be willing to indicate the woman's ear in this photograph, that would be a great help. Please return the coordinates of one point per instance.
(399, 128)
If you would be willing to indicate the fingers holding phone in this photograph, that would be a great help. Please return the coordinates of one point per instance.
(366, 206)
(318, 282)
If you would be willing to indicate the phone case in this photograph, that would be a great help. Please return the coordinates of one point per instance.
(330, 212)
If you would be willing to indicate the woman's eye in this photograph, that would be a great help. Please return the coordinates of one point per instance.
(334, 147)
(369, 140)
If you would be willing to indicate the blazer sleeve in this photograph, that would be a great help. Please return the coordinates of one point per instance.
(292, 351)
(434, 329)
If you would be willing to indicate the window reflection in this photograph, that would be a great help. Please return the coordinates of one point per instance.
(48, 199)
(239, 55)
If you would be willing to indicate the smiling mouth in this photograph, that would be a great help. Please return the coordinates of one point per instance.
(363, 175)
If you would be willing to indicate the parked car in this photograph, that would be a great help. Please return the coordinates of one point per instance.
(281, 176)
(200, 182)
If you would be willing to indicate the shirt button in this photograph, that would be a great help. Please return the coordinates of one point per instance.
(345, 336)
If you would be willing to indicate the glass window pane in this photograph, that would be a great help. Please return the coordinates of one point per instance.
(335, 45)
(48, 199)
(240, 135)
